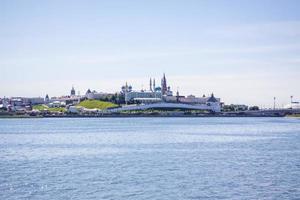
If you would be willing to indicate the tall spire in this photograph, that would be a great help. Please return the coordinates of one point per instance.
(72, 91)
(164, 85)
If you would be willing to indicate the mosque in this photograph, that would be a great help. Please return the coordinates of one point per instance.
(154, 94)
(163, 96)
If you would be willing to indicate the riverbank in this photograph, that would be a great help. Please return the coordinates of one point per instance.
(136, 115)
(297, 116)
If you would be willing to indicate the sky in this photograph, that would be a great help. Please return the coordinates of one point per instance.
(245, 52)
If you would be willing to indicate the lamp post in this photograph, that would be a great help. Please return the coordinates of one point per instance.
(291, 101)
(274, 103)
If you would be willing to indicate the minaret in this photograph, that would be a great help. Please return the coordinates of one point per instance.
(150, 85)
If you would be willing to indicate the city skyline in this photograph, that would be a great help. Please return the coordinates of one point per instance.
(245, 52)
(145, 87)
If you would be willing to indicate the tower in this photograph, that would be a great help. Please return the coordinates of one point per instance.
(72, 91)
(150, 85)
(164, 85)
(154, 84)
(47, 98)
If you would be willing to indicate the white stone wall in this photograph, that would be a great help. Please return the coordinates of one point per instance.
(213, 107)
(131, 95)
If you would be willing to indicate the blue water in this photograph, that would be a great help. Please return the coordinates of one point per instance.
(150, 158)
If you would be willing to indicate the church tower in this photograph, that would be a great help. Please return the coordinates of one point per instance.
(73, 91)
(164, 85)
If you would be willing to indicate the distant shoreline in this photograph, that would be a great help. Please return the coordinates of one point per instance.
(186, 114)
(296, 116)
(136, 116)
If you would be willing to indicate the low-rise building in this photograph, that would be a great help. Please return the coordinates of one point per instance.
(147, 95)
(57, 104)
(82, 110)
(34, 100)
(235, 107)
(97, 95)
(75, 109)
(67, 99)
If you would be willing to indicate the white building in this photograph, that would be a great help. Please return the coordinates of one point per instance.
(57, 104)
(75, 109)
(213, 106)
(82, 110)
(164, 94)
(147, 95)
(293, 105)
(67, 99)
(97, 95)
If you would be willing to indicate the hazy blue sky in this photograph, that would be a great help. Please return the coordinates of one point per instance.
(243, 51)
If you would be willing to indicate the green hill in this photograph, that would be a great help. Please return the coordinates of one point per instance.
(90, 104)
(294, 115)
(42, 107)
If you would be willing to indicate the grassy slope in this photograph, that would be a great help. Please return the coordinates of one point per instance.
(40, 107)
(90, 104)
(44, 107)
(294, 115)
